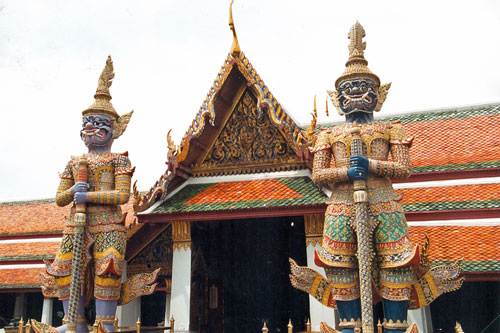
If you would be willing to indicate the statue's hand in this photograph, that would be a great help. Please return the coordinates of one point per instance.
(356, 173)
(359, 161)
(80, 197)
(80, 187)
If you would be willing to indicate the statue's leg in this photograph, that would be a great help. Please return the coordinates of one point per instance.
(395, 291)
(105, 311)
(82, 323)
(109, 256)
(345, 283)
(395, 313)
(350, 315)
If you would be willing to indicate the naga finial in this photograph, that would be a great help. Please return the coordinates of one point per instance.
(312, 127)
(235, 48)
(356, 46)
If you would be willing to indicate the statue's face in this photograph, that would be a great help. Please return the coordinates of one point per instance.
(357, 95)
(97, 130)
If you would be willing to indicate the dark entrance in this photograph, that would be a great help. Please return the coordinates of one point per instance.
(241, 275)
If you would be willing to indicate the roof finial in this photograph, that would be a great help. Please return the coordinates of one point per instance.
(235, 49)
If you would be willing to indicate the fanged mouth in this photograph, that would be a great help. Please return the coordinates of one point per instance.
(95, 132)
(356, 98)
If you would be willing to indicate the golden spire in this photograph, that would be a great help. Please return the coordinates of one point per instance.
(356, 66)
(327, 107)
(102, 96)
(235, 48)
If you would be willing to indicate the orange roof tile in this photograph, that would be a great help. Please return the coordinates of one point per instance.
(20, 278)
(451, 193)
(454, 141)
(449, 243)
(23, 251)
(245, 191)
(42, 216)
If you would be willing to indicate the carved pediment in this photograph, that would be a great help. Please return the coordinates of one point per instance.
(248, 143)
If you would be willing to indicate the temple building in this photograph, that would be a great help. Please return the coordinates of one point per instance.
(237, 200)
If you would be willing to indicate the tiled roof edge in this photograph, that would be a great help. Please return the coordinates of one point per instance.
(27, 257)
(457, 167)
(450, 205)
(26, 202)
(445, 113)
(473, 266)
(20, 285)
(53, 232)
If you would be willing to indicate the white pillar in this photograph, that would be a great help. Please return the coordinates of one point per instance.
(181, 275)
(19, 306)
(48, 305)
(318, 312)
(129, 313)
(167, 307)
(421, 317)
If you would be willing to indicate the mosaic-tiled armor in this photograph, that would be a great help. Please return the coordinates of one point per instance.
(109, 177)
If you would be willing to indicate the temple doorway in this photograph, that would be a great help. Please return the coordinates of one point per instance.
(240, 275)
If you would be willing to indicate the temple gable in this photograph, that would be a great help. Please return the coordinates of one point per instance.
(247, 143)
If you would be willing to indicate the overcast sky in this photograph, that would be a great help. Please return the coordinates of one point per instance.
(167, 53)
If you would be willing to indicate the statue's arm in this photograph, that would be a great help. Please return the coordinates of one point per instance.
(323, 173)
(65, 193)
(121, 193)
(400, 166)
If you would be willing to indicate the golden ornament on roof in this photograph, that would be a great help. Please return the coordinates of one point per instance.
(235, 48)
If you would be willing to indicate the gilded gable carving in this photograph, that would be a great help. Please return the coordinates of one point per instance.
(248, 143)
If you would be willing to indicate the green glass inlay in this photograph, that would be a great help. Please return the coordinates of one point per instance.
(474, 266)
(451, 205)
(455, 167)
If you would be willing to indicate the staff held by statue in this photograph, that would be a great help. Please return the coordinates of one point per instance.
(80, 221)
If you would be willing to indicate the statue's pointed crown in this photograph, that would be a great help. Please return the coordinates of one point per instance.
(102, 103)
(356, 66)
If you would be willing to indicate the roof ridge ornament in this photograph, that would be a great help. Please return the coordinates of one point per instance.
(235, 48)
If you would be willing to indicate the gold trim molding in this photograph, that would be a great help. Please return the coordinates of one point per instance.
(181, 235)
(313, 225)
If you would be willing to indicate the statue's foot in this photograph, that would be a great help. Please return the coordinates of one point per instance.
(80, 328)
(412, 329)
(39, 327)
(324, 328)
(100, 328)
